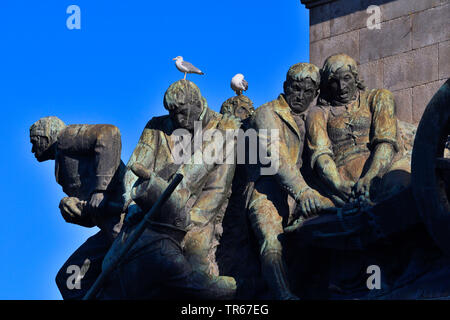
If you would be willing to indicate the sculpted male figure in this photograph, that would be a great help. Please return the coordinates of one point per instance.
(158, 266)
(88, 167)
(353, 136)
(269, 209)
(235, 254)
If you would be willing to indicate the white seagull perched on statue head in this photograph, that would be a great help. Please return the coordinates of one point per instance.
(185, 66)
(238, 84)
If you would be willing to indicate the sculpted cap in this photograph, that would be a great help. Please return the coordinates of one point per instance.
(47, 127)
(302, 71)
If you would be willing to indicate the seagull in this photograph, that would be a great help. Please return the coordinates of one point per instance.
(185, 66)
(238, 84)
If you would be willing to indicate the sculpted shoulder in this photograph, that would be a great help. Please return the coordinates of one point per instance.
(229, 122)
(68, 136)
(161, 123)
(107, 128)
(316, 113)
(85, 136)
(375, 95)
(267, 108)
(264, 114)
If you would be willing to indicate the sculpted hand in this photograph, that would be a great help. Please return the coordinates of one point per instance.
(97, 201)
(71, 209)
(362, 187)
(310, 203)
(344, 190)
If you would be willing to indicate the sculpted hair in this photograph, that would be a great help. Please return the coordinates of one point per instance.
(180, 93)
(47, 127)
(230, 105)
(301, 71)
(332, 65)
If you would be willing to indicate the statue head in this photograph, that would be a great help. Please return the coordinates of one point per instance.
(340, 80)
(301, 86)
(43, 135)
(239, 106)
(185, 104)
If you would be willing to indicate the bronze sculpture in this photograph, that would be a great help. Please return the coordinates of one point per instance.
(355, 159)
(192, 268)
(89, 169)
(268, 201)
(353, 137)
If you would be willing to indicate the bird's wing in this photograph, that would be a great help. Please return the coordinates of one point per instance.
(190, 67)
(245, 83)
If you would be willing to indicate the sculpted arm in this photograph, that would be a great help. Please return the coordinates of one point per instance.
(213, 194)
(218, 181)
(143, 154)
(286, 173)
(107, 149)
(105, 142)
(383, 139)
(321, 155)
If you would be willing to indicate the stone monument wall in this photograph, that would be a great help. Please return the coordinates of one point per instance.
(409, 54)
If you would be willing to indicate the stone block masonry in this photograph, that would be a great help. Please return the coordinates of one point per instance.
(409, 54)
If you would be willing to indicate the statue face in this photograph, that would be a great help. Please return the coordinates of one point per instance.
(41, 148)
(185, 115)
(300, 94)
(342, 87)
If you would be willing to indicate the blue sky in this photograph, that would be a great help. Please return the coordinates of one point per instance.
(114, 70)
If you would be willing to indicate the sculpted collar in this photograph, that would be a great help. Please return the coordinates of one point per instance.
(352, 105)
(284, 111)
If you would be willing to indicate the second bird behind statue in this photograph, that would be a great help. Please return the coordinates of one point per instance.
(238, 84)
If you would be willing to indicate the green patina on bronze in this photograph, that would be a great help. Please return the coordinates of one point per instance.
(239, 106)
(343, 171)
(193, 213)
(273, 199)
(354, 140)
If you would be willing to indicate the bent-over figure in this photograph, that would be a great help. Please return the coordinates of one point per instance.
(89, 169)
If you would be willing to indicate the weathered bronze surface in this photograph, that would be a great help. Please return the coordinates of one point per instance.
(239, 106)
(272, 199)
(353, 137)
(340, 200)
(188, 225)
(89, 169)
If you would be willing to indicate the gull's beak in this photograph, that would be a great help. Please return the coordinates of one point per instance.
(174, 59)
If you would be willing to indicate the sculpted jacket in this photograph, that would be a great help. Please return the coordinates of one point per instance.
(87, 160)
(349, 133)
(154, 152)
(277, 115)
